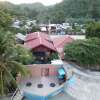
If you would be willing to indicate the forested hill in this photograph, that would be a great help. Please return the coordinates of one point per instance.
(57, 13)
(22, 10)
(75, 9)
(36, 6)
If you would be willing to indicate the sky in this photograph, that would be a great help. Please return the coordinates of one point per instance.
(45, 2)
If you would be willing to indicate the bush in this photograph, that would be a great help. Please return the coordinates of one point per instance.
(54, 56)
(93, 30)
(86, 53)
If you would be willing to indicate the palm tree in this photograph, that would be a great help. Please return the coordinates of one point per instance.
(9, 66)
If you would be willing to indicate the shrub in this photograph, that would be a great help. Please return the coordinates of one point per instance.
(54, 56)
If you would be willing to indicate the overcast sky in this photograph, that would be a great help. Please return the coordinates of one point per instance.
(45, 2)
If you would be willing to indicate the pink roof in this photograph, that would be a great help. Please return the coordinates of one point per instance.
(35, 35)
(60, 42)
(36, 39)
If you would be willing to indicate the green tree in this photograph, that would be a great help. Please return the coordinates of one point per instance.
(5, 20)
(84, 52)
(10, 61)
(78, 9)
(93, 30)
(54, 56)
(24, 56)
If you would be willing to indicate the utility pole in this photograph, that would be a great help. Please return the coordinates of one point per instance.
(49, 31)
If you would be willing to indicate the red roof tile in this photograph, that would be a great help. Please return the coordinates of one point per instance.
(35, 35)
(36, 39)
(60, 42)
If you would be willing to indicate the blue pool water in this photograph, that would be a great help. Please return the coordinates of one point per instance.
(35, 96)
(29, 96)
(71, 81)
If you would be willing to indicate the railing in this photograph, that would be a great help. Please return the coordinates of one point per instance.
(17, 90)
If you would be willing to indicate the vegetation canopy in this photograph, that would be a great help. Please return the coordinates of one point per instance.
(85, 53)
(93, 30)
(12, 58)
(78, 9)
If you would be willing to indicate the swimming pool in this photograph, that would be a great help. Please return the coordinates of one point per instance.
(41, 88)
(29, 96)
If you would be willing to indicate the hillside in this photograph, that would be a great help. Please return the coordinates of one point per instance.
(26, 10)
(36, 6)
(77, 9)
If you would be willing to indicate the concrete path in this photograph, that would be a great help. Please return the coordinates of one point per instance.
(83, 85)
(62, 96)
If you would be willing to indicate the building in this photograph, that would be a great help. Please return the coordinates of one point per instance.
(20, 38)
(40, 44)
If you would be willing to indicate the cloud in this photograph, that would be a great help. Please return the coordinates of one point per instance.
(45, 2)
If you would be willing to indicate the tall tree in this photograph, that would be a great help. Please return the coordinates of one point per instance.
(5, 19)
(9, 65)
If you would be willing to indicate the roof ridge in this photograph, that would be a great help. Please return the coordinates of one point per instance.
(39, 37)
(63, 40)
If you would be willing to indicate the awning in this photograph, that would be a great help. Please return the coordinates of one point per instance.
(61, 71)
